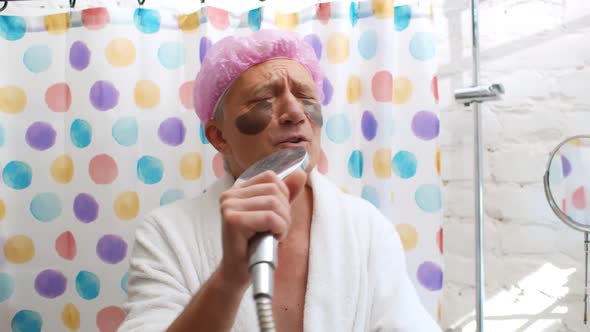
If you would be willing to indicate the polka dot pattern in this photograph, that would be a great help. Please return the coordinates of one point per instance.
(116, 137)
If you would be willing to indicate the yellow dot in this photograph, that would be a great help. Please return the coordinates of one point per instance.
(382, 163)
(286, 21)
(2, 210)
(382, 8)
(338, 47)
(439, 309)
(58, 23)
(402, 90)
(19, 249)
(126, 205)
(408, 235)
(147, 94)
(12, 99)
(438, 161)
(353, 89)
(190, 166)
(188, 23)
(344, 190)
(120, 52)
(62, 169)
(70, 316)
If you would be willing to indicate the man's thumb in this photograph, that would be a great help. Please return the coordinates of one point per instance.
(295, 182)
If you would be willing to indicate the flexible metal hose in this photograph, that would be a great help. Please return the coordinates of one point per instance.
(264, 311)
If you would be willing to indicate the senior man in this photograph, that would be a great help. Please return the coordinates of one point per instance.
(341, 266)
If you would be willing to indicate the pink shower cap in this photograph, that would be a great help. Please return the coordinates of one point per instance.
(233, 55)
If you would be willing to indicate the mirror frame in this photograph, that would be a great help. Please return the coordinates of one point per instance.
(562, 216)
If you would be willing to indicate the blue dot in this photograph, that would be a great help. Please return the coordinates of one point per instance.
(338, 128)
(355, 164)
(254, 18)
(171, 195)
(1, 135)
(202, 135)
(368, 44)
(6, 286)
(404, 164)
(147, 20)
(422, 46)
(370, 194)
(87, 285)
(81, 133)
(26, 321)
(150, 169)
(125, 131)
(124, 281)
(45, 207)
(17, 175)
(402, 17)
(428, 198)
(171, 55)
(37, 58)
(354, 13)
(12, 27)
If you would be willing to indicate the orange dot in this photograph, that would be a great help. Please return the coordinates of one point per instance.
(186, 94)
(109, 319)
(218, 18)
(19, 249)
(59, 97)
(103, 169)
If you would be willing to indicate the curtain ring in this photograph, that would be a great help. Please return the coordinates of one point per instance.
(202, 2)
(141, 2)
(4, 6)
(72, 4)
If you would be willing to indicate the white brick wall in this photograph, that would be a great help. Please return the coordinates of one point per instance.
(540, 51)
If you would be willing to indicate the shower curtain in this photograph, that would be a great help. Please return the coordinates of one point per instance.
(97, 128)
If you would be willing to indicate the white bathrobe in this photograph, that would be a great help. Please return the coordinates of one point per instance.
(357, 278)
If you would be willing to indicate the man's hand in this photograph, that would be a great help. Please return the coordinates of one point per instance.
(261, 204)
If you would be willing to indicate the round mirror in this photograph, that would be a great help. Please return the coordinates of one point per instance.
(567, 182)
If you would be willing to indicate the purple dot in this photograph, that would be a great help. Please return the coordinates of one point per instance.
(50, 283)
(104, 95)
(111, 249)
(567, 166)
(85, 208)
(79, 55)
(369, 125)
(172, 131)
(204, 46)
(425, 125)
(315, 43)
(430, 276)
(328, 90)
(40, 136)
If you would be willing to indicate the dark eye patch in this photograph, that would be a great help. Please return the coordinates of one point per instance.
(256, 119)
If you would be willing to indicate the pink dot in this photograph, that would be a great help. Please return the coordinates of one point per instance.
(323, 13)
(382, 86)
(103, 169)
(95, 18)
(323, 163)
(109, 319)
(218, 18)
(59, 97)
(579, 198)
(218, 165)
(439, 240)
(434, 88)
(65, 245)
(186, 94)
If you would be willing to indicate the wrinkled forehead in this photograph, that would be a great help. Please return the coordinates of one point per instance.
(275, 73)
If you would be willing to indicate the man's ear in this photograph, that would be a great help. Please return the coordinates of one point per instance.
(215, 136)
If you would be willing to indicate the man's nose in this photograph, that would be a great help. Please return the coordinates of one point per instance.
(291, 110)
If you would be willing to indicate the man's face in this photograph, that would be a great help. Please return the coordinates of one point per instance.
(271, 106)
